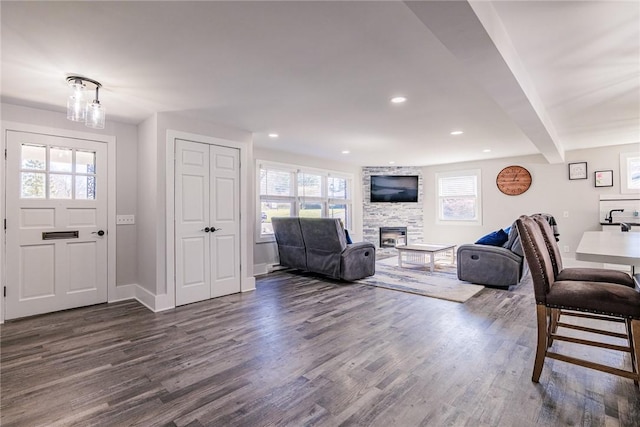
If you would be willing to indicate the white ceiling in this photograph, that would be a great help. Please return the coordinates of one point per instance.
(518, 77)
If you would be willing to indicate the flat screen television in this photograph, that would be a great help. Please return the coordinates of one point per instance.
(394, 188)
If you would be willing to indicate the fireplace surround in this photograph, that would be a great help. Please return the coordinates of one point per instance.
(374, 215)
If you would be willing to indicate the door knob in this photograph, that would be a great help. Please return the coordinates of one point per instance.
(206, 229)
(213, 229)
(99, 232)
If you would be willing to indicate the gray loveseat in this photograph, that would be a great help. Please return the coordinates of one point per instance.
(319, 245)
(492, 265)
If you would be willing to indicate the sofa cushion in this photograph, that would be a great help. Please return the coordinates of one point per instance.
(496, 238)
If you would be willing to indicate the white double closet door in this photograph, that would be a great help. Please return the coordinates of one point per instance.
(207, 221)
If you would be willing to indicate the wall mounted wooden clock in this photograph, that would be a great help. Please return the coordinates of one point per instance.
(513, 180)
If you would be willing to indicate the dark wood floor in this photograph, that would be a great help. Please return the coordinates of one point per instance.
(302, 351)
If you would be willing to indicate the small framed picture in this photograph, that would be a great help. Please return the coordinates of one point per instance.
(578, 170)
(604, 178)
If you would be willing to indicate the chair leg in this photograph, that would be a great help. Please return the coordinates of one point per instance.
(553, 326)
(634, 341)
(541, 350)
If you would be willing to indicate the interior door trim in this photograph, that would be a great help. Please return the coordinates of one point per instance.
(247, 281)
(110, 140)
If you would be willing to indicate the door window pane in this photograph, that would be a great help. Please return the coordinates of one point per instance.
(60, 159)
(59, 186)
(85, 187)
(34, 157)
(32, 185)
(85, 162)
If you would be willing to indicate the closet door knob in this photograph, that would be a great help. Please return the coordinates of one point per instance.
(206, 229)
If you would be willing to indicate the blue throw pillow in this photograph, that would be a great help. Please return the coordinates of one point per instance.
(346, 235)
(497, 238)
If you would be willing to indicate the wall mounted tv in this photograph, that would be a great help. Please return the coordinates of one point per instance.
(394, 188)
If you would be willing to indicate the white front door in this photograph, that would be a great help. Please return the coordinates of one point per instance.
(207, 221)
(56, 223)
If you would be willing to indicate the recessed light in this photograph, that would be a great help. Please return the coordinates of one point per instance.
(398, 99)
(486, 150)
(273, 135)
(346, 151)
(457, 132)
(392, 162)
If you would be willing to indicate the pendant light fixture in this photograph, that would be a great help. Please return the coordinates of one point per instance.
(79, 108)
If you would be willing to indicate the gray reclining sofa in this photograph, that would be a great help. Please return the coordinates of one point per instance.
(319, 245)
(499, 266)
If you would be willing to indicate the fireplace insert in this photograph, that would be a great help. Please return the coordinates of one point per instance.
(392, 236)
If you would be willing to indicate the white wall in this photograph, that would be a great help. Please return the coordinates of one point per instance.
(266, 253)
(147, 203)
(551, 192)
(126, 159)
(152, 173)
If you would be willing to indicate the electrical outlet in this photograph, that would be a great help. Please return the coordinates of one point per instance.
(565, 214)
(125, 219)
(566, 248)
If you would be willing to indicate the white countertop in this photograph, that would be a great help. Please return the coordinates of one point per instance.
(605, 247)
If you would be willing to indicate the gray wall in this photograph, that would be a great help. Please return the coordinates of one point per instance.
(140, 188)
(551, 192)
(126, 177)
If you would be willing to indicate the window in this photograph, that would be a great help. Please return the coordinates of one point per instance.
(288, 190)
(57, 173)
(459, 197)
(630, 172)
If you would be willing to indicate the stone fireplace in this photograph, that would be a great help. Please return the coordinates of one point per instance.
(392, 215)
(392, 236)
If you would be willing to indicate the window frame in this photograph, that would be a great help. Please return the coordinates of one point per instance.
(296, 199)
(625, 173)
(478, 197)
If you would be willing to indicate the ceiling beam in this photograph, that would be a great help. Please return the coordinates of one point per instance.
(474, 34)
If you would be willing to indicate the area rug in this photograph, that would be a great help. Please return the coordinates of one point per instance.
(443, 283)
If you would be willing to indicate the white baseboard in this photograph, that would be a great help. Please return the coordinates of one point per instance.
(124, 292)
(163, 302)
(260, 269)
(145, 298)
(248, 284)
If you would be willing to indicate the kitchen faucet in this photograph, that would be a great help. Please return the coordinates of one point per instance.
(609, 219)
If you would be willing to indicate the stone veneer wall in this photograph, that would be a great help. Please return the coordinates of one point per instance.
(376, 215)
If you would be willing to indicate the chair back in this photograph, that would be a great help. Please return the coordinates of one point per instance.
(325, 241)
(291, 248)
(537, 256)
(550, 241)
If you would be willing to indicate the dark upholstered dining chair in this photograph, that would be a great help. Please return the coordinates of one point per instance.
(604, 301)
(579, 273)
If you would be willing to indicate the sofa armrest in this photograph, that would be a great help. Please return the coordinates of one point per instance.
(358, 261)
(489, 265)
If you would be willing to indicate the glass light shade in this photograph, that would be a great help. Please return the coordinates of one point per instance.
(95, 115)
(76, 107)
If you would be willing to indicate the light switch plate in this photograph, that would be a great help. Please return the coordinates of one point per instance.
(125, 219)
